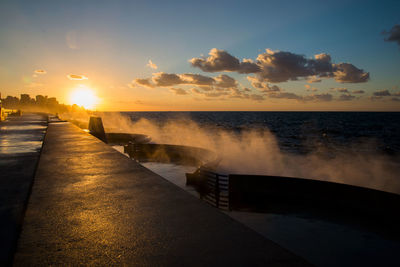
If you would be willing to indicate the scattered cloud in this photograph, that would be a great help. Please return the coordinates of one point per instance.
(40, 71)
(326, 97)
(382, 93)
(340, 90)
(314, 79)
(310, 88)
(285, 95)
(393, 34)
(280, 66)
(358, 92)
(152, 65)
(76, 77)
(346, 97)
(162, 79)
(178, 91)
(348, 73)
(263, 87)
(142, 82)
(220, 60)
(319, 97)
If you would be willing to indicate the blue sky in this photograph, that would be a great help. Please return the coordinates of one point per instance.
(113, 41)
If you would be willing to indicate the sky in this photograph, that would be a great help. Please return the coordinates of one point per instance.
(204, 55)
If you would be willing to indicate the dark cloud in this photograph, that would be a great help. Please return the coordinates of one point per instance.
(358, 92)
(285, 95)
(244, 94)
(346, 97)
(213, 94)
(340, 90)
(197, 79)
(143, 82)
(76, 77)
(393, 34)
(225, 81)
(162, 79)
(313, 97)
(319, 97)
(382, 93)
(167, 79)
(280, 66)
(178, 91)
(263, 87)
(348, 73)
(220, 60)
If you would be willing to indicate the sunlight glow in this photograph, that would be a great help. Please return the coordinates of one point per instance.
(84, 96)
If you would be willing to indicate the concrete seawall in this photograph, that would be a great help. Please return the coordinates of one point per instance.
(90, 205)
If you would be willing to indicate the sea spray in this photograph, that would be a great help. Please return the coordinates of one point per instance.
(257, 151)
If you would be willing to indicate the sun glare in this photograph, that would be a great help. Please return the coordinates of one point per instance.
(84, 97)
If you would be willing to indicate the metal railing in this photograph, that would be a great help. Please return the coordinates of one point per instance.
(217, 189)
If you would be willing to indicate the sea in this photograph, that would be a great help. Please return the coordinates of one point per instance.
(302, 132)
(359, 148)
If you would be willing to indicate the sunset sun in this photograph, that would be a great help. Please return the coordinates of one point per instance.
(85, 97)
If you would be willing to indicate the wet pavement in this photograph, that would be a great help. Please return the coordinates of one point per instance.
(91, 205)
(20, 143)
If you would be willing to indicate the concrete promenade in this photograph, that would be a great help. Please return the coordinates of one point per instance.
(20, 143)
(91, 205)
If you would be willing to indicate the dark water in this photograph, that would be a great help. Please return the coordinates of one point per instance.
(303, 132)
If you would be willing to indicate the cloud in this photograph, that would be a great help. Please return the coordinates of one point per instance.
(262, 86)
(162, 79)
(225, 81)
(313, 97)
(151, 65)
(348, 73)
(244, 94)
(40, 71)
(166, 79)
(346, 97)
(340, 90)
(76, 77)
(280, 66)
(382, 93)
(309, 88)
(319, 97)
(197, 79)
(209, 94)
(220, 60)
(314, 79)
(393, 34)
(142, 82)
(285, 95)
(358, 92)
(178, 91)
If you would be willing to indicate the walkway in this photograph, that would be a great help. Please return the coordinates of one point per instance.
(90, 205)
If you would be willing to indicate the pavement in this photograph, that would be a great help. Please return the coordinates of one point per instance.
(20, 143)
(91, 205)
